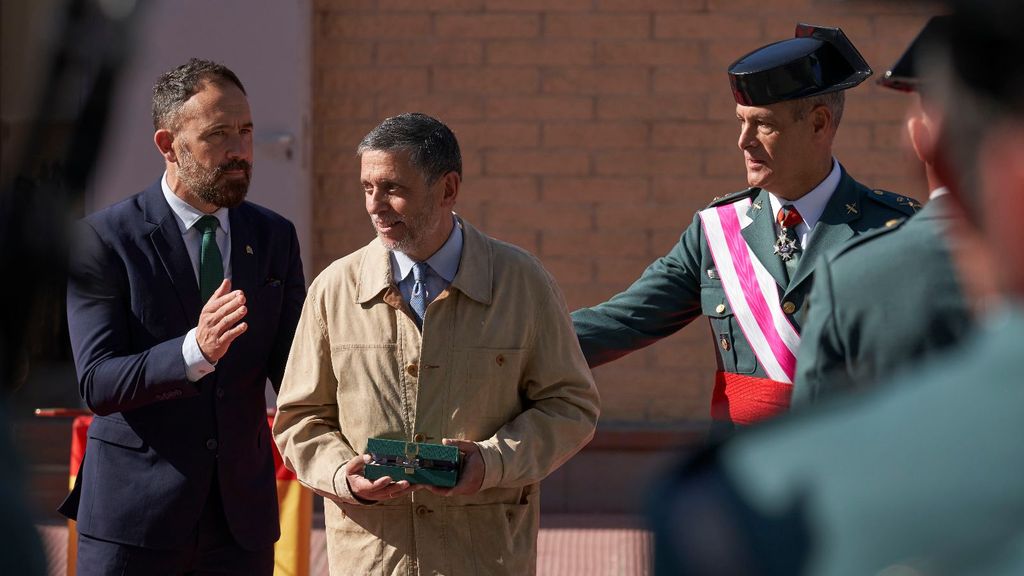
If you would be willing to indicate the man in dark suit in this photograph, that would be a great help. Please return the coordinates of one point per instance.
(182, 301)
(869, 314)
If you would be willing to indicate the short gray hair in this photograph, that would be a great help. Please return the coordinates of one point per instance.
(432, 147)
(834, 101)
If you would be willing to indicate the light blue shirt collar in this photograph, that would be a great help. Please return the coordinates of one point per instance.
(186, 214)
(444, 262)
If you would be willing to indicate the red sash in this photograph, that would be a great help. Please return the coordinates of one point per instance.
(746, 400)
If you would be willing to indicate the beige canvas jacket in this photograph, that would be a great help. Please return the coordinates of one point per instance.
(498, 363)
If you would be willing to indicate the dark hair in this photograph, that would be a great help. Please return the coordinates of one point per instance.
(175, 87)
(432, 147)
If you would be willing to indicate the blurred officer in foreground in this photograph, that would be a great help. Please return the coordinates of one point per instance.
(746, 261)
(923, 476)
(889, 298)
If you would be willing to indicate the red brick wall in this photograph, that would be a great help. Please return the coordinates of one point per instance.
(591, 131)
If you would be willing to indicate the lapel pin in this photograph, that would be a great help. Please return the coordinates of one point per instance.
(851, 209)
(248, 249)
(756, 205)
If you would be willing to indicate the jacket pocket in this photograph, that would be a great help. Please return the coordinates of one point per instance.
(355, 538)
(371, 397)
(114, 432)
(490, 381)
(493, 539)
(726, 331)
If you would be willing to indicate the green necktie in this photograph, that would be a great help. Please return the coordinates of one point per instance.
(211, 268)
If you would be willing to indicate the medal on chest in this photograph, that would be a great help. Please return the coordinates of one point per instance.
(786, 246)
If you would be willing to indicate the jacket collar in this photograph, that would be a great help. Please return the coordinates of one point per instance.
(474, 279)
(165, 236)
(834, 228)
(938, 208)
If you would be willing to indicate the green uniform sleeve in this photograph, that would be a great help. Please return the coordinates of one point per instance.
(663, 300)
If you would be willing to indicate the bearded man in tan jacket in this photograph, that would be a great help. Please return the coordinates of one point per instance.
(433, 333)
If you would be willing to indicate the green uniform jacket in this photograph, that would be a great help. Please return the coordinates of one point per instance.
(683, 284)
(925, 473)
(884, 301)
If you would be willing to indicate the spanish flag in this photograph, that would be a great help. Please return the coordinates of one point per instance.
(295, 502)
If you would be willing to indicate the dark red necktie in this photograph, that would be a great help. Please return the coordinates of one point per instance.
(788, 217)
(787, 245)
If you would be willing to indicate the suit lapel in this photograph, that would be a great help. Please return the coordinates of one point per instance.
(760, 236)
(831, 231)
(170, 249)
(244, 251)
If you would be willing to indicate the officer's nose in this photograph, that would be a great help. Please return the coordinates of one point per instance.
(746, 139)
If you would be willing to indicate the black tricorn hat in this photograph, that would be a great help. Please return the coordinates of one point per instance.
(817, 61)
(905, 73)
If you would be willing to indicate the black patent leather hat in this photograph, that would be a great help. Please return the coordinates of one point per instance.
(905, 74)
(817, 61)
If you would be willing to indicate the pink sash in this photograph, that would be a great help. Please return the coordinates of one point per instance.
(751, 290)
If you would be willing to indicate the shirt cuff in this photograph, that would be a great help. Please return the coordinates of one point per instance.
(196, 365)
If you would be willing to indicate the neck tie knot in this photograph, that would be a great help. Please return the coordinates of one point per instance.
(788, 216)
(207, 224)
(419, 271)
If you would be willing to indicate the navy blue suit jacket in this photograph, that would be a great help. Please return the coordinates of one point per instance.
(157, 438)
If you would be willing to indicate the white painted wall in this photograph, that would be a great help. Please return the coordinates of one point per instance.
(268, 44)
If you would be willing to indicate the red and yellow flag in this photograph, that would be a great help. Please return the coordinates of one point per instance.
(291, 552)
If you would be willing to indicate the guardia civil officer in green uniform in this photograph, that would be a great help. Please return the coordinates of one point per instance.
(889, 298)
(746, 262)
(924, 475)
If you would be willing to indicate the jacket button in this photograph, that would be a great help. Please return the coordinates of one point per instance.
(788, 307)
(220, 391)
(724, 343)
(720, 308)
(211, 444)
(412, 369)
(500, 360)
(418, 438)
(422, 511)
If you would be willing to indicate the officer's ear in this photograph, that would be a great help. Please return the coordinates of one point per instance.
(164, 140)
(821, 119)
(922, 140)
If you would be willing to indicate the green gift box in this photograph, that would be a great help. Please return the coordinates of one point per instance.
(417, 462)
